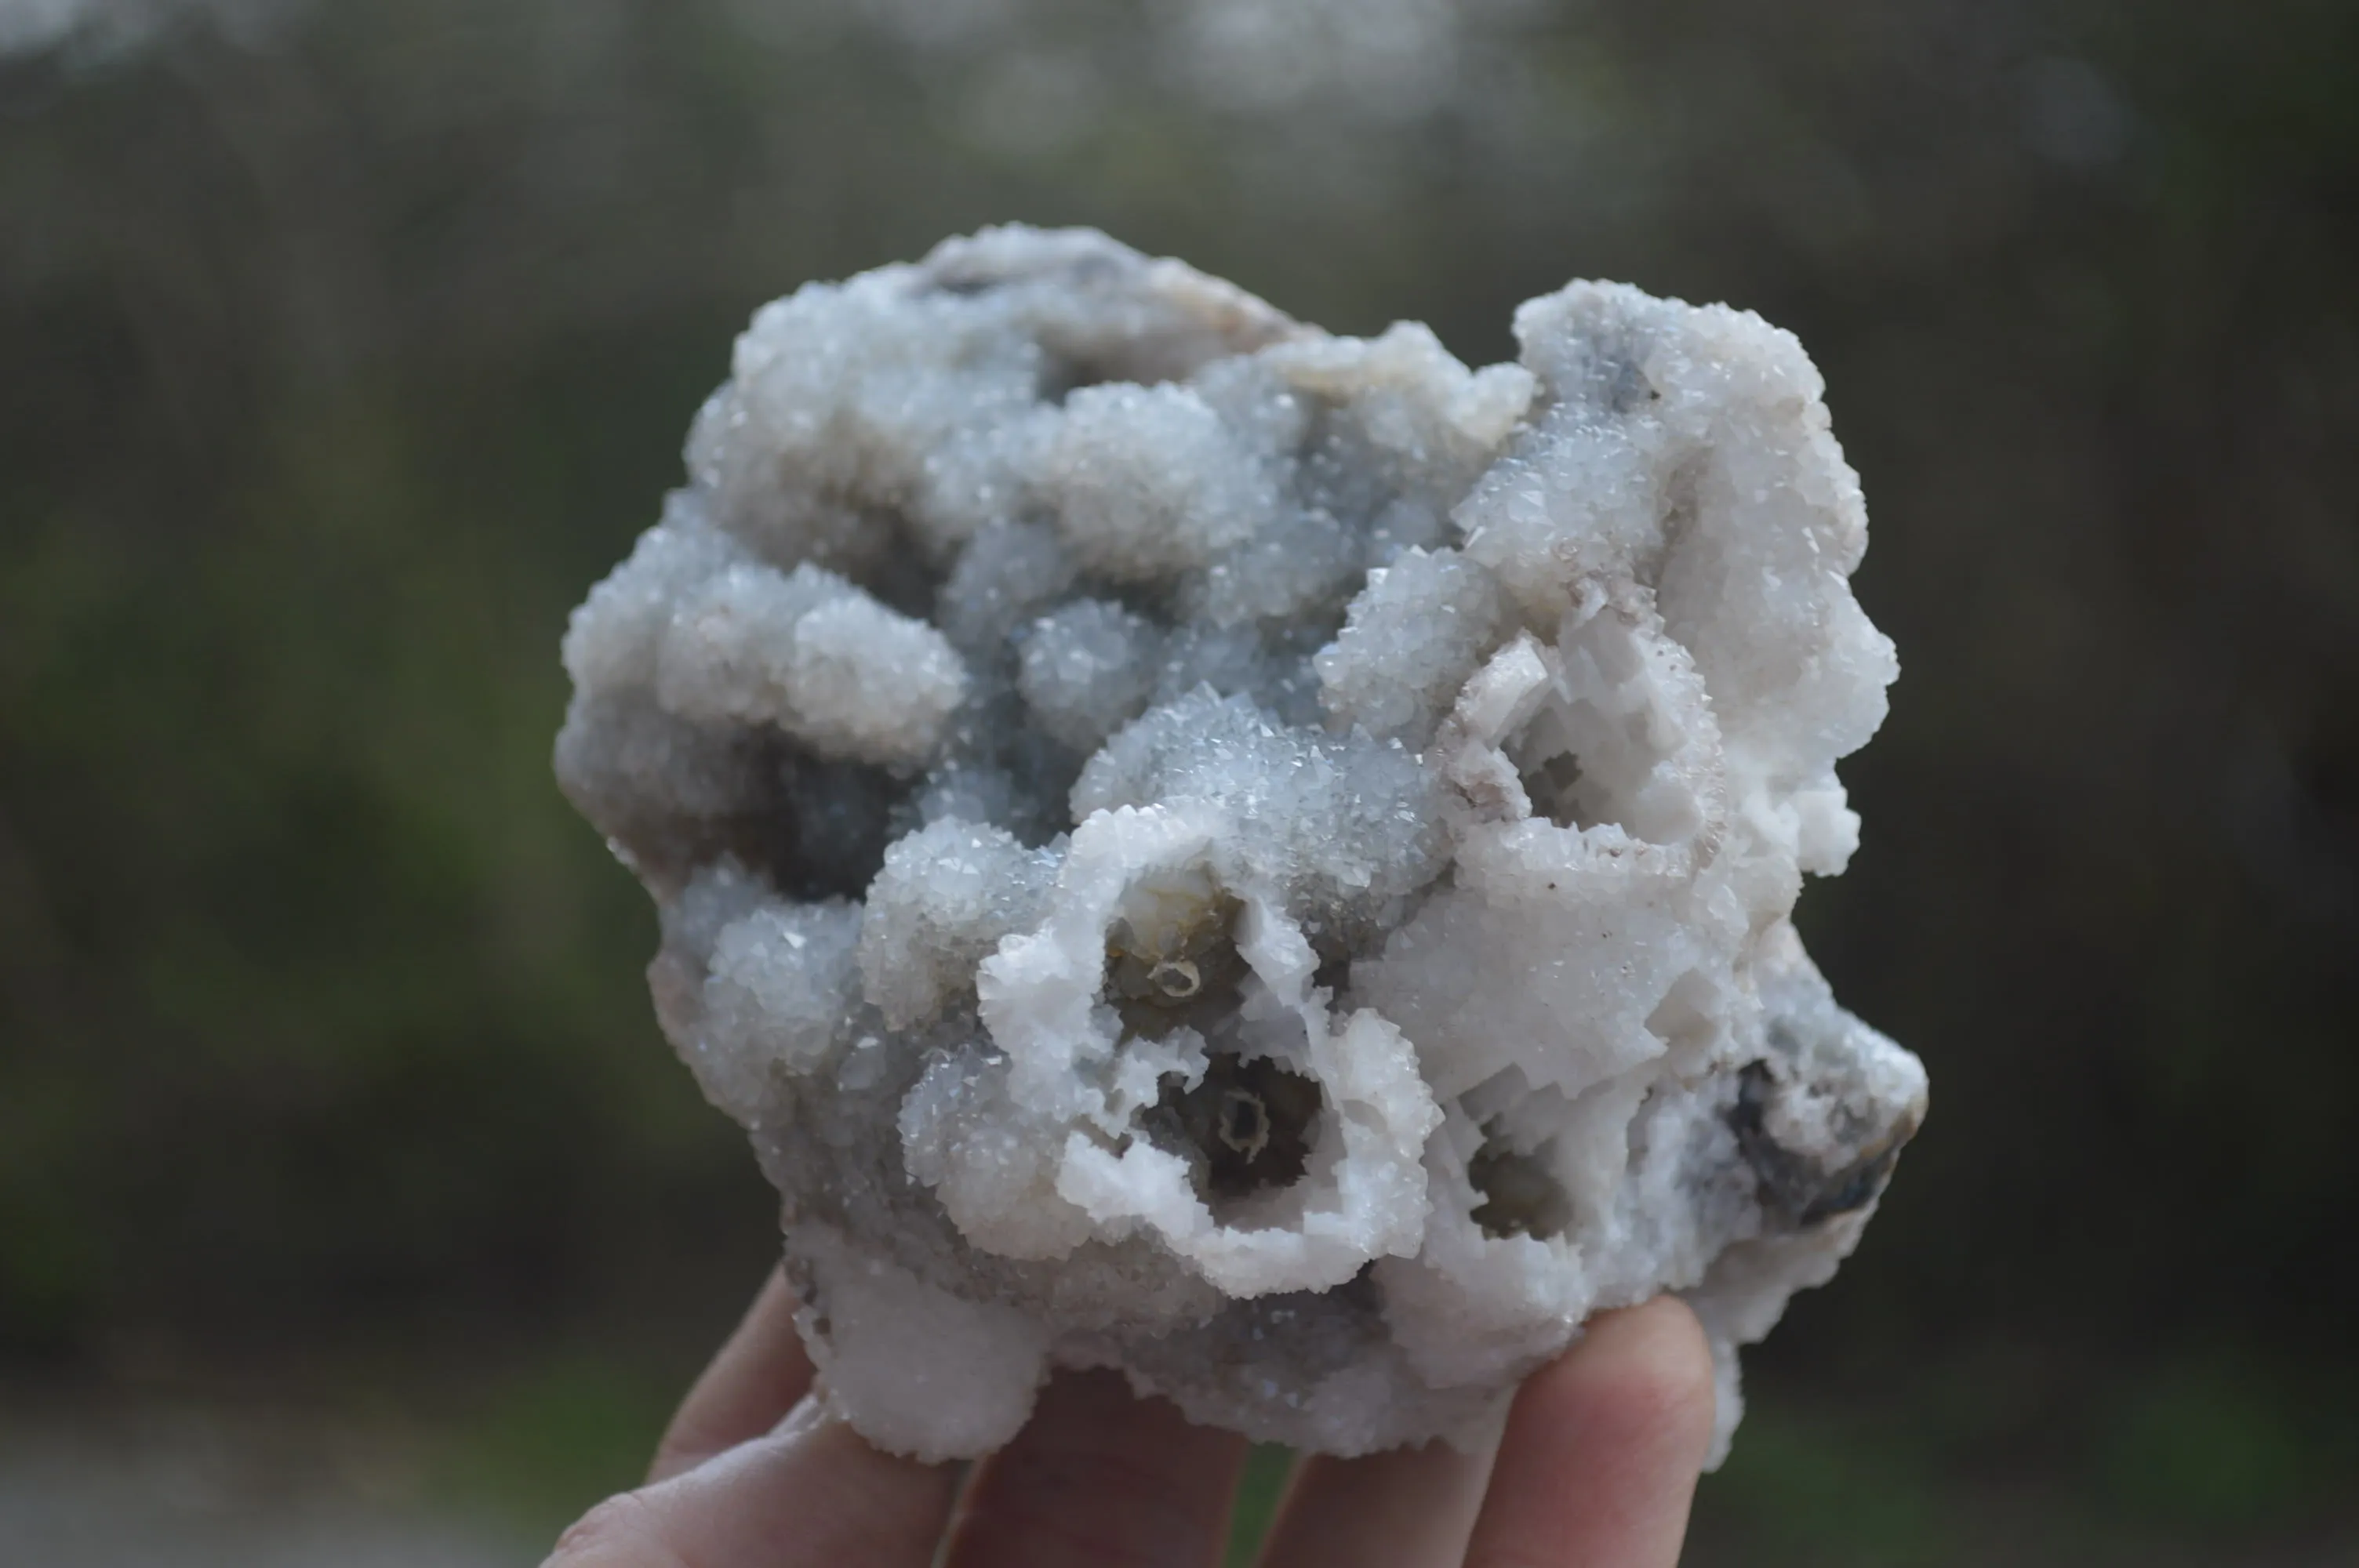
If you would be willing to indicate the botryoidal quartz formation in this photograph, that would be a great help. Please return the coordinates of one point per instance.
(1257, 859)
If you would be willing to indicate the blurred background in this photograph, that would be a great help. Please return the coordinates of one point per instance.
(352, 1209)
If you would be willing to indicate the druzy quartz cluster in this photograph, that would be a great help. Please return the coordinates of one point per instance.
(1254, 858)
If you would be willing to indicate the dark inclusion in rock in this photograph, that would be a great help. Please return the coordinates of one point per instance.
(1520, 1197)
(1255, 858)
(1248, 1122)
(1799, 1190)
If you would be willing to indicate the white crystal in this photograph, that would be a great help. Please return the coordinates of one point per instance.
(1257, 859)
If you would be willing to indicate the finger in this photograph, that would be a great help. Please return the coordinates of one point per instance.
(753, 1382)
(1411, 1507)
(1100, 1478)
(811, 1494)
(1602, 1447)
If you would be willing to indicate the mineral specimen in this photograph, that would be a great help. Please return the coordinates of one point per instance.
(1254, 858)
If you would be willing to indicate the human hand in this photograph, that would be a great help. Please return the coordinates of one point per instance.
(1596, 1468)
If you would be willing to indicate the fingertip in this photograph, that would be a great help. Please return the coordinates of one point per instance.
(1402, 1506)
(1100, 1476)
(1647, 1368)
(1604, 1446)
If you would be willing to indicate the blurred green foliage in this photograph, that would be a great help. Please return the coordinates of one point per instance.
(1267, 1465)
(2221, 1442)
(336, 359)
(1806, 1491)
(571, 1428)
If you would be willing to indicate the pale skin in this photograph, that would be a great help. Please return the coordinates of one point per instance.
(1595, 1469)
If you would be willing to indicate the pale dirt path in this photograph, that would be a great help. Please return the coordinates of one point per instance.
(180, 1488)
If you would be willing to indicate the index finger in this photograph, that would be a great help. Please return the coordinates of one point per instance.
(811, 1494)
(754, 1381)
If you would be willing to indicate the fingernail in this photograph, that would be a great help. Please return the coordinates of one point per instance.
(810, 1414)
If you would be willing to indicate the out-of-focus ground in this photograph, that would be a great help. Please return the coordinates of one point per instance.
(350, 1203)
(195, 1482)
(85, 1486)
